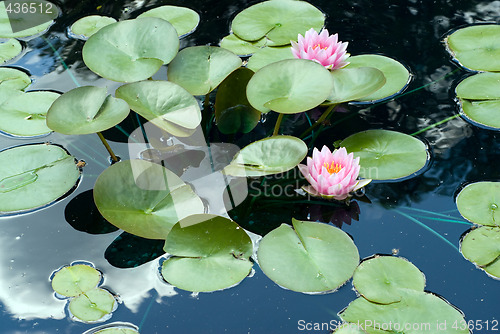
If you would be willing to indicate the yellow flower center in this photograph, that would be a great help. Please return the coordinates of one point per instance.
(319, 46)
(333, 168)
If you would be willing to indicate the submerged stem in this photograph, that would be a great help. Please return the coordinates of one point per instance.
(277, 125)
(435, 124)
(110, 151)
(320, 120)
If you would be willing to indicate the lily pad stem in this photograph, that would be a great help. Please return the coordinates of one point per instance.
(435, 124)
(320, 120)
(206, 102)
(277, 125)
(110, 151)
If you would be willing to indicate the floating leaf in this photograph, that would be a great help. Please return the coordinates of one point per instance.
(18, 24)
(74, 280)
(183, 19)
(289, 86)
(23, 114)
(381, 279)
(476, 47)
(266, 56)
(120, 52)
(351, 84)
(32, 176)
(493, 268)
(241, 47)
(386, 155)
(280, 21)
(144, 198)
(482, 113)
(212, 254)
(13, 78)
(296, 259)
(396, 75)
(93, 305)
(482, 245)
(85, 110)
(89, 25)
(349, 329)
(115, 330)
(9, 49)
(200, 69)
(267, 156)
(479, 203)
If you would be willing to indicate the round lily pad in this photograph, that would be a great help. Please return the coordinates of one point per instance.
(17, 24)
(476, 47)
(479, 203)
(493, 269)
(268, 55)
(143, 198)
(386, 155)
(482, 113)
(13, 78)
(183, 19)
(85, 110)
(116, 330)
(92, 305)
(349, 329)
(382, 278)
(9, 49)
(23, 114)
(32, 176)
(268, 156)
(279, 21)
(212, 254)
(351, 84)
(396, 75)
(89, 25)
(200, 69)
(289, 86)
(74, 280)
(120, 52)
(241, 47)
(295, 258)
(165, 104)
(482, 245)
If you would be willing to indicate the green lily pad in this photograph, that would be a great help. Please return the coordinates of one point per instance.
(183, 19)
(479, 203)
(351, 84)
(89, 25)
(280, 21)
(120, 52)
(85, 110)
(116, 330)
(210, 255)
(23, 114)
(9, 49)
(74, 280)
(32, 176)
(233, 112)
(289, 86)
(13, 78)
(386, 155)
(482, 113)
(200, 69)
(493, 268)
(268, 55)
(349, 329)
(92, 305)
(27, 25)
(396, 75)
(295, 258)
(381, 279)
(476, 47)
(165, 104)
(143, 198)
(482, 245)
(268, 156)
(241, 47)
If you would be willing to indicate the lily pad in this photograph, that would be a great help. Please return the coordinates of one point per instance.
(268, 55)
(351, 84)
(382, 279)
(183, 19)
(23, 114)
(32, 176)
(482, 113)
(476, 47)
(92, 305)
(143, 198)
(13, 78)
(295, 258)
(74, 280)
(479, 203)
(200, 69)
(493, 268)
(289, 86)
(349, 329)
(9, 49)
(268, 156)
(396, 75)
(386, 155)
(212, 254)
(482, 245)
(165, 104)
(116, 330)
(89, 25)
(85, 110)
(280, 21)
(26, 25)
(120, 52)
(241, 47)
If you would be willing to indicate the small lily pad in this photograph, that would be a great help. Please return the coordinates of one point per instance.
(18, 24)
(386, 155)
(200, 69)
(479, 203)
(183, 19)
(482, 245)
(13, 78)
(289, 86)
(268, 55)
(89, 25)
(85, 110)
(92, 305)
(268, 156)
(295, 258)
(74, 280)
(9, 49)
(351, 84)
(212, 254)
(116, 330)
(241, 47)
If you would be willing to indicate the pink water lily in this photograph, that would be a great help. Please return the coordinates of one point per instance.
(332, 175)
(321, 48)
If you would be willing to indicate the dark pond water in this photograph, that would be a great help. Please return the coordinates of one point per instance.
(34, 245)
